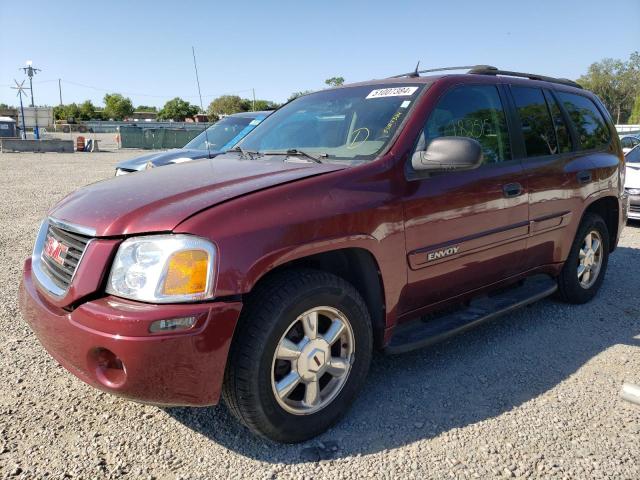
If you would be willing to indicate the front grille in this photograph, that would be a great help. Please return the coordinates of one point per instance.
(634, 208)
(62, 273)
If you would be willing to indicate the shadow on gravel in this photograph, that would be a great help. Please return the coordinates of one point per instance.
(470, 378)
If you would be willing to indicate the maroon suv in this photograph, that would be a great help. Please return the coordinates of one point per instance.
(384, 215)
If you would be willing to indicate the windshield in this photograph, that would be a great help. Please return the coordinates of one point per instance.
(225, 133)
(353, 123)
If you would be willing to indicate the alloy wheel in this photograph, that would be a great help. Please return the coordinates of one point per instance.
(590, 259)
(312, 360)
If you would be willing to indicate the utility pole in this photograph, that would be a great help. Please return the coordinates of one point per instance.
(254, 99)
(30, 71)
(60, 91)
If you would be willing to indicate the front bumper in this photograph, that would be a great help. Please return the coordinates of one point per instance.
(634, 207)
(107, 344)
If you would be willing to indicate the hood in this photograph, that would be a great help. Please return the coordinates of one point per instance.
(161, 158)
(632, 178)
(159, 199)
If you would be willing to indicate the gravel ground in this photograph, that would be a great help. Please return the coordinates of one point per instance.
(533, 395)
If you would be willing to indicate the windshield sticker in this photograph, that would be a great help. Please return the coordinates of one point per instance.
(392, 92)
(405, 104)
(359, 136)
(392, 122)
(255, 121)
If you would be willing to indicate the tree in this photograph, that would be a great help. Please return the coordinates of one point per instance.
(334, 81)
(69, 112)
(146, 108)
(635, 112)
(616, 82)
(87, 111)
(177, 109)
(116, 106)
(259, 105)
(295, 95)
(226, 105)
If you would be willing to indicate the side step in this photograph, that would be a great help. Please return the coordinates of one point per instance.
(429, 330)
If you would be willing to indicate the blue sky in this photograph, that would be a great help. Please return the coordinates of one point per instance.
(143, 48)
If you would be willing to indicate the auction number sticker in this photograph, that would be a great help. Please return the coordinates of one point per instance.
(392, 92)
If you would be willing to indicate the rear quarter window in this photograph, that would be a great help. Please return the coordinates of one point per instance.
(589, 123)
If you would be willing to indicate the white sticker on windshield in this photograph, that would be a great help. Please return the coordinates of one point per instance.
(405, 104)
(392, 92)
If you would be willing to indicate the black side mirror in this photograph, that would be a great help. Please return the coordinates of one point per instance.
(448, 154)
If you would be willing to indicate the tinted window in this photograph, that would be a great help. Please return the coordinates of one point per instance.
(475, 112)
(587, 119)
(535, 120)
(633, 156)
(629, 142)
(562, 132)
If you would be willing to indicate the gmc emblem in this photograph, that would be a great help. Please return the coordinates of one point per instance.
(445, 252)
(55, 250)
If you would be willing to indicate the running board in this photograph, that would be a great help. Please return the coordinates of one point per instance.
(429, 330)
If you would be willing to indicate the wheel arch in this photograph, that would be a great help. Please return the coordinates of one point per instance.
(609, 209)
(357, 266)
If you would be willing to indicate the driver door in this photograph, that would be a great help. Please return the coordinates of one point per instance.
(465, 229)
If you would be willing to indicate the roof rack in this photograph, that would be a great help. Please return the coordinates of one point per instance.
(416, 72)
(488, 70)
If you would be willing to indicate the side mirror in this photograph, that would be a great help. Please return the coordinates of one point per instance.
(446, 154)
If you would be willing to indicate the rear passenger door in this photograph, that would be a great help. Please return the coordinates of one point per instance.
(560, 170)
(466, 229)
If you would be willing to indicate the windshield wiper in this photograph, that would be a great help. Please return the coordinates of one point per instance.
(299, 153)
(243, 152)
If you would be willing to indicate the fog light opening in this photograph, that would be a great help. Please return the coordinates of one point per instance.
(110, 370)
(172, 324)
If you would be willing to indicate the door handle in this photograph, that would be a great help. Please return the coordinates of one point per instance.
(511, 190)
(584, 177)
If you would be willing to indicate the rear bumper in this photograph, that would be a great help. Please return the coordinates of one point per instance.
(107, 344)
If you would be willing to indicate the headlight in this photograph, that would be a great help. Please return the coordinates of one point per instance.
(164, 269)
(120, 171)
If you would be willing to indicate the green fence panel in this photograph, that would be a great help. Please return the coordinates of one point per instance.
(155, 138)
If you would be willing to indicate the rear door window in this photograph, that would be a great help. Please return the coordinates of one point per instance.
(473, 111)
(535, 120)
(588, 121)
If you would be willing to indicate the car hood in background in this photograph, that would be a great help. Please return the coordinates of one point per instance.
(161, 198)
(161, 158)
(632, 179)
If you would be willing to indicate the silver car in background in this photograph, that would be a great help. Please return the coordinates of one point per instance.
(632, 182)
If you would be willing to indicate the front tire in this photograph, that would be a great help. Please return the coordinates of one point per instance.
(300, 354)
(584, 269)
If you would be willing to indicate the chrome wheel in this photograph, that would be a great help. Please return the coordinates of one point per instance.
(590, 259)
(312, 361)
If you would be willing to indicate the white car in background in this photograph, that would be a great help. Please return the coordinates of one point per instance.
(629, 142)
(632, 181)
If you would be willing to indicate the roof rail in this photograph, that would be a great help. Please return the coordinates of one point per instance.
(416, 72)
(487, 70)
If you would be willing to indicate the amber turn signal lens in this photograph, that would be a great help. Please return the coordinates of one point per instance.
(187, 273)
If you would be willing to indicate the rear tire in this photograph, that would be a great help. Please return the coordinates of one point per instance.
(584, 269)
(275, 345)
